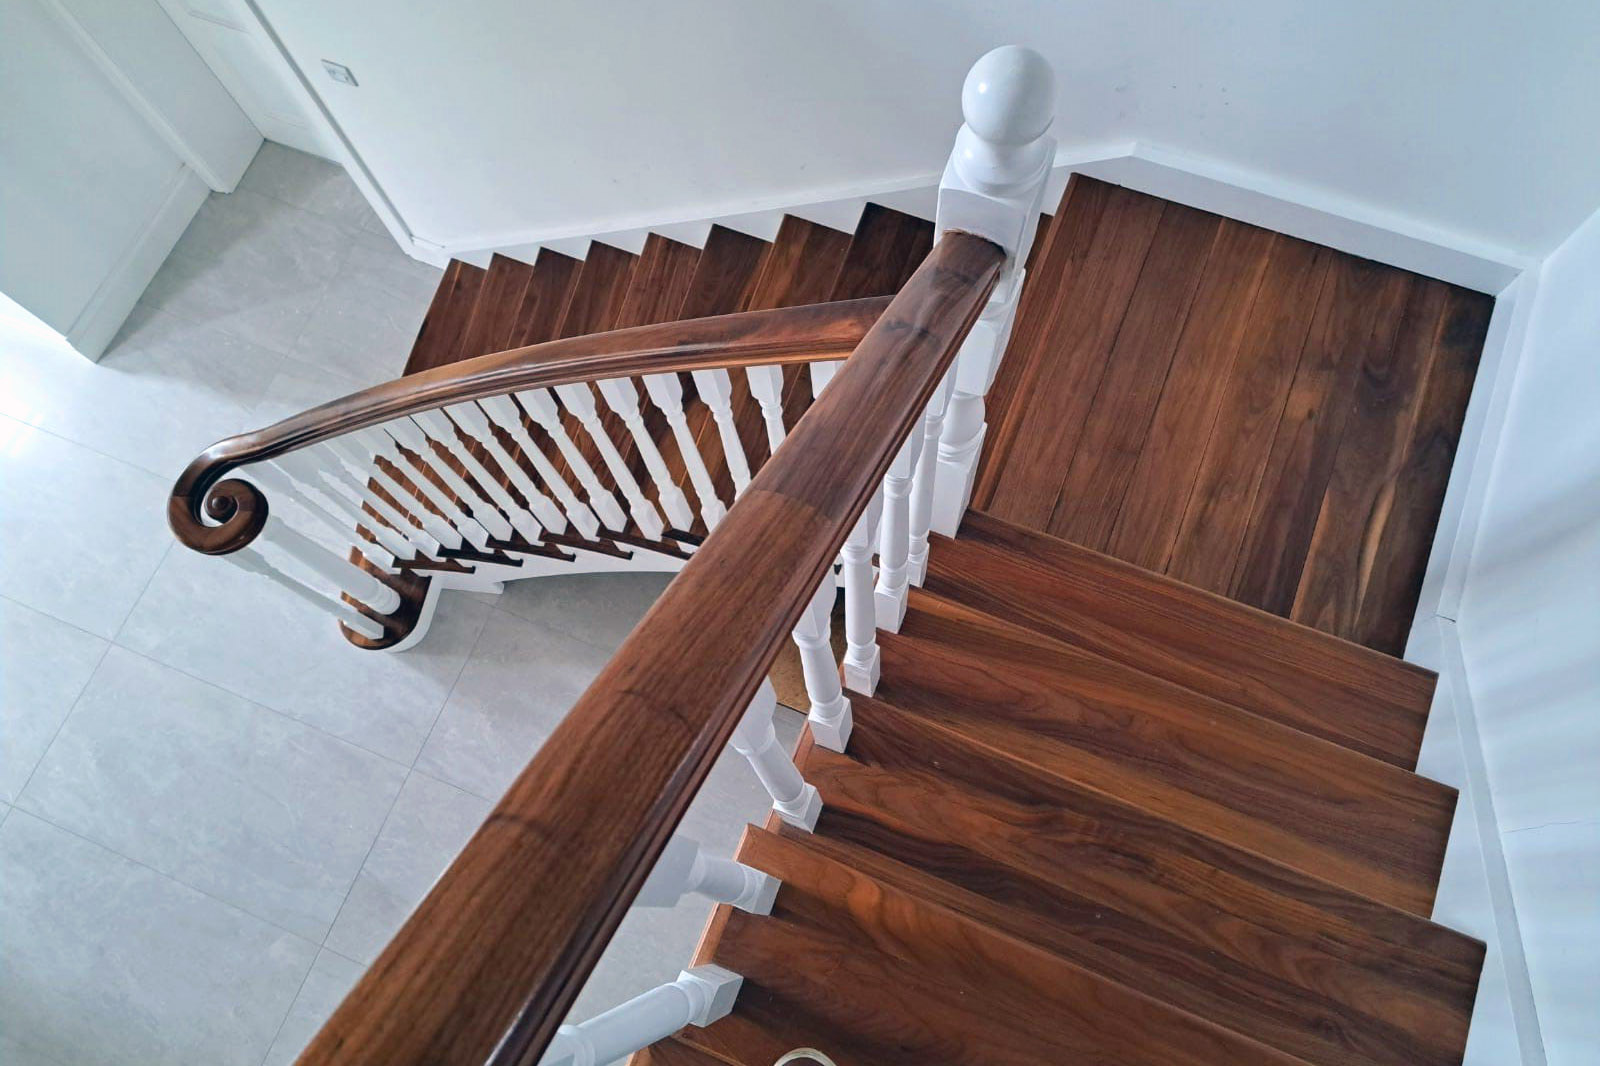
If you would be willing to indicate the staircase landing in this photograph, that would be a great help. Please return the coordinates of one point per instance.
(1258, 416)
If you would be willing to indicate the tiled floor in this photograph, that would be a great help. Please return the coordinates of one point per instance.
(213, 810)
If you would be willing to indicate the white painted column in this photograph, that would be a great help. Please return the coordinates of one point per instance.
(417, 467)
(894, 543)
(993, 186)
(922, 480)
(861, 664)
(337, 517)
(541, 407)
(428, 533)
(666, 392)
(252, 561)
(414, 433)
(505, 413)
(471, 420)
(797, 802)
(830, 716)
(716, 389)
(580, 401)
(623, 398)
(766, 385)
(698, 997)
(337, 571)
(685, 866)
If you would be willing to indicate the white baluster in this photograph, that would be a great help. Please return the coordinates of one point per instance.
(621, 396)
(860, 611)
(508, 416)
(334, 515)
(579, 399)
(716, 389)
(797, 802)
(666, 392)
(894, 544)
(766, 385)
(923, 479)
(822, 373)
(252, 561)
(423, 529)
(472, 421)
(830, 712)
(334, 569)
(322, 466)
(685, 867)
(414, 433)
(699, 996)
(418, 465)
(479, 528)
(993, 186)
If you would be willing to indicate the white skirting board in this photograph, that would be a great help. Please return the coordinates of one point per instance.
(106, 310)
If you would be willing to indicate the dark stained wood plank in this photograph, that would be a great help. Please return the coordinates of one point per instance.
(1358, 314)
(1056, 258)
(1361, 482)
(1136, 369)
(494, 313)
(927, 984)
(439, 337)
(1395, 564)
(1282, 957)
(1194, 761)
(1071, 350)
(1152, 508)
(1216, 517)
(886, 248)
(673, 1053)
(1312, 681)
(545, 299)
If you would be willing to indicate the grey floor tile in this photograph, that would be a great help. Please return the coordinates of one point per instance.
(331, 977)
(430, 823)
(308, 182)
(247, 635)
(600, 609)
(108, 962)
(227, 796)
(360, 329)
(15, 1053)
(516, 688)
(44, 664)
(80, 533)
(251, 266)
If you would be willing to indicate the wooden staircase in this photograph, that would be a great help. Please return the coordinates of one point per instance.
(1094, 815)
(1119, 773)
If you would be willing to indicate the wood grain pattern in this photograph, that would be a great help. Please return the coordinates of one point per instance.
(439, 337)
(1071, 347)
(922, 983)
(494, 312)
(1197, 762)
(490, 962)
(544, 300)
(1212, 524)
(1153, 506)
(1236, 473)
(1312, 682)
(884, 251)
(1118, 420)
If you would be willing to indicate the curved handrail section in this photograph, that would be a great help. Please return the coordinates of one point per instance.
(215, 515)
(488, 965)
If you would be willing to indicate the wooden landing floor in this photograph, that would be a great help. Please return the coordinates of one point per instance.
(1266, 418)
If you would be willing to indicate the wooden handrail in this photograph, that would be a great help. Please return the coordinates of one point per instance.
(489, 964)
(750, 338)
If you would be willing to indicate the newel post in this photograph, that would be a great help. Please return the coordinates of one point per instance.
(993, 186)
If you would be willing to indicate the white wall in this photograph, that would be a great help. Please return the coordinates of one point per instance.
(110, 130)
(487, 120)
(1529, 628)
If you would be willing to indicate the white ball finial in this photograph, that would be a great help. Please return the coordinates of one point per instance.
(1009, 96)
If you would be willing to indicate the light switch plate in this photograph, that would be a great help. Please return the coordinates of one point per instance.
(339, 72)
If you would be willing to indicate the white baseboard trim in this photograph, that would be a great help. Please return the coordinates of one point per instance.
(1273, 203)
(1475, 895)
(107, 309)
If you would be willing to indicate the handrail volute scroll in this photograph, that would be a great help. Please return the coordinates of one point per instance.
(215, 515)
